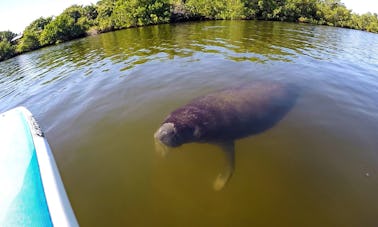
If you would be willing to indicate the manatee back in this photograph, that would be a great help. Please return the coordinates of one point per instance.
(236, 112)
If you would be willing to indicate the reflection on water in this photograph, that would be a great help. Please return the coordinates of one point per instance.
(101, 98)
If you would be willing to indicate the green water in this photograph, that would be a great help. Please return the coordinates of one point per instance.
(100, 99)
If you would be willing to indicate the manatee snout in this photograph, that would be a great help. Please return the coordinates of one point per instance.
(165, 138)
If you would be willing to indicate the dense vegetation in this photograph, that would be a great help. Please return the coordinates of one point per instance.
(108, 15)
(6, 49)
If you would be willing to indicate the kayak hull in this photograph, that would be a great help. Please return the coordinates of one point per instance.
(34, 193)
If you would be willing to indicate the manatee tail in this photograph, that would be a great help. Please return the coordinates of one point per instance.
(228, 149)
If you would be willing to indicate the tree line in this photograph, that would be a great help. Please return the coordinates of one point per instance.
(108, 15)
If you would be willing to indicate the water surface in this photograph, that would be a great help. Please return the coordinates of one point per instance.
(101, 98)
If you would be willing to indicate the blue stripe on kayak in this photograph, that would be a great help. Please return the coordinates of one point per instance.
(29, 207)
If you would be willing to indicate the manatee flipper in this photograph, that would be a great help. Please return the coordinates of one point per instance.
(228, 149)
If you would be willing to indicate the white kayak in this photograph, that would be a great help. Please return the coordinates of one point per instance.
(31, 190)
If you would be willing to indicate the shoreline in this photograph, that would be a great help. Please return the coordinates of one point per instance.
(82, 21)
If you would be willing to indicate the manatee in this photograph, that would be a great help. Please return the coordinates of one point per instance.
(224, 116)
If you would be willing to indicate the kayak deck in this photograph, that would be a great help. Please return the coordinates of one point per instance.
(32, 193)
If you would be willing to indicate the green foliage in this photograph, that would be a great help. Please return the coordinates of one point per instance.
(105, 9)
(31, 35)
(29, 41)
(250, 9)
(131, 13)
(90, 14)
(7, 36)
(328, 12)
(6, 50)
(299, 10)
(39, 24)
(269, 9)
(333, 13)
(367, 22)
(118, 14)
(216, 9)
(71, 24)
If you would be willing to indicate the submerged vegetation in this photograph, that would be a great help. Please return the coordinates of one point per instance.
(109, 15)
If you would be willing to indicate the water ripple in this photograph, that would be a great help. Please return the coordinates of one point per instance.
(121, 53)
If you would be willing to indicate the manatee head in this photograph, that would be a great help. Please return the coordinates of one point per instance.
(171, 135)
(167, 134)
(165, 138)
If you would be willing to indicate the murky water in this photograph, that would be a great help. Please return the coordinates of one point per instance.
(100, 99)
